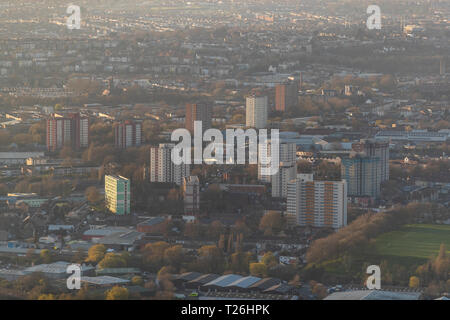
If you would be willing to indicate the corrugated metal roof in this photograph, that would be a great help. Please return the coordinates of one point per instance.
(188, 276)
(117, 270)
(104, 280)
(56, 267)
(105, 231)
(121, 238)
(12, 272)
(224, 280)
(205, 278)
(265, 283)
(244, 282)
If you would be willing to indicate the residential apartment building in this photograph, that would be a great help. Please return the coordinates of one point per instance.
(69, 130)
(128, 134)
(376, 149)
(191, 194)
(362, 174)
(198, 112)
(256, 111)
(162, 169)
(317, 203)
(117, 194)
(287, 154)
(280, 180)
(286, 96)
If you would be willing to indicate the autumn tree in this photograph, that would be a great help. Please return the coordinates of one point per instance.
(240, 261)
(153, 255)
(272, 223)
(93, 195)
(164, 281)
(96, 253)
(112, 260)
(117, 293)
(414, 282)
(441, 264)
(211, 259)
(174, 256)
(137, 281)
(258, 269)
(269, 260)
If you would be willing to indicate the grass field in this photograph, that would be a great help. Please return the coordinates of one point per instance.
(416, 241)
(410, 247)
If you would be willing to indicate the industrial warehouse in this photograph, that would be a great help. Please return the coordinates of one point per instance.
(236, 286)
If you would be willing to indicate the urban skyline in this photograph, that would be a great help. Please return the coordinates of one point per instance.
(225, 150)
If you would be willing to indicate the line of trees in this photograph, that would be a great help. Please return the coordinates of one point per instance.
(356, 237)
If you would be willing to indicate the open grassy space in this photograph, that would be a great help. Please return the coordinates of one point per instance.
(410, 247)
(415, 241)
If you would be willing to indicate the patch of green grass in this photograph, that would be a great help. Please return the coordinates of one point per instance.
(414, 241)
(410, 247)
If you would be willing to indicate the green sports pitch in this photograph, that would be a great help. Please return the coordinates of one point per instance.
(416, 241)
